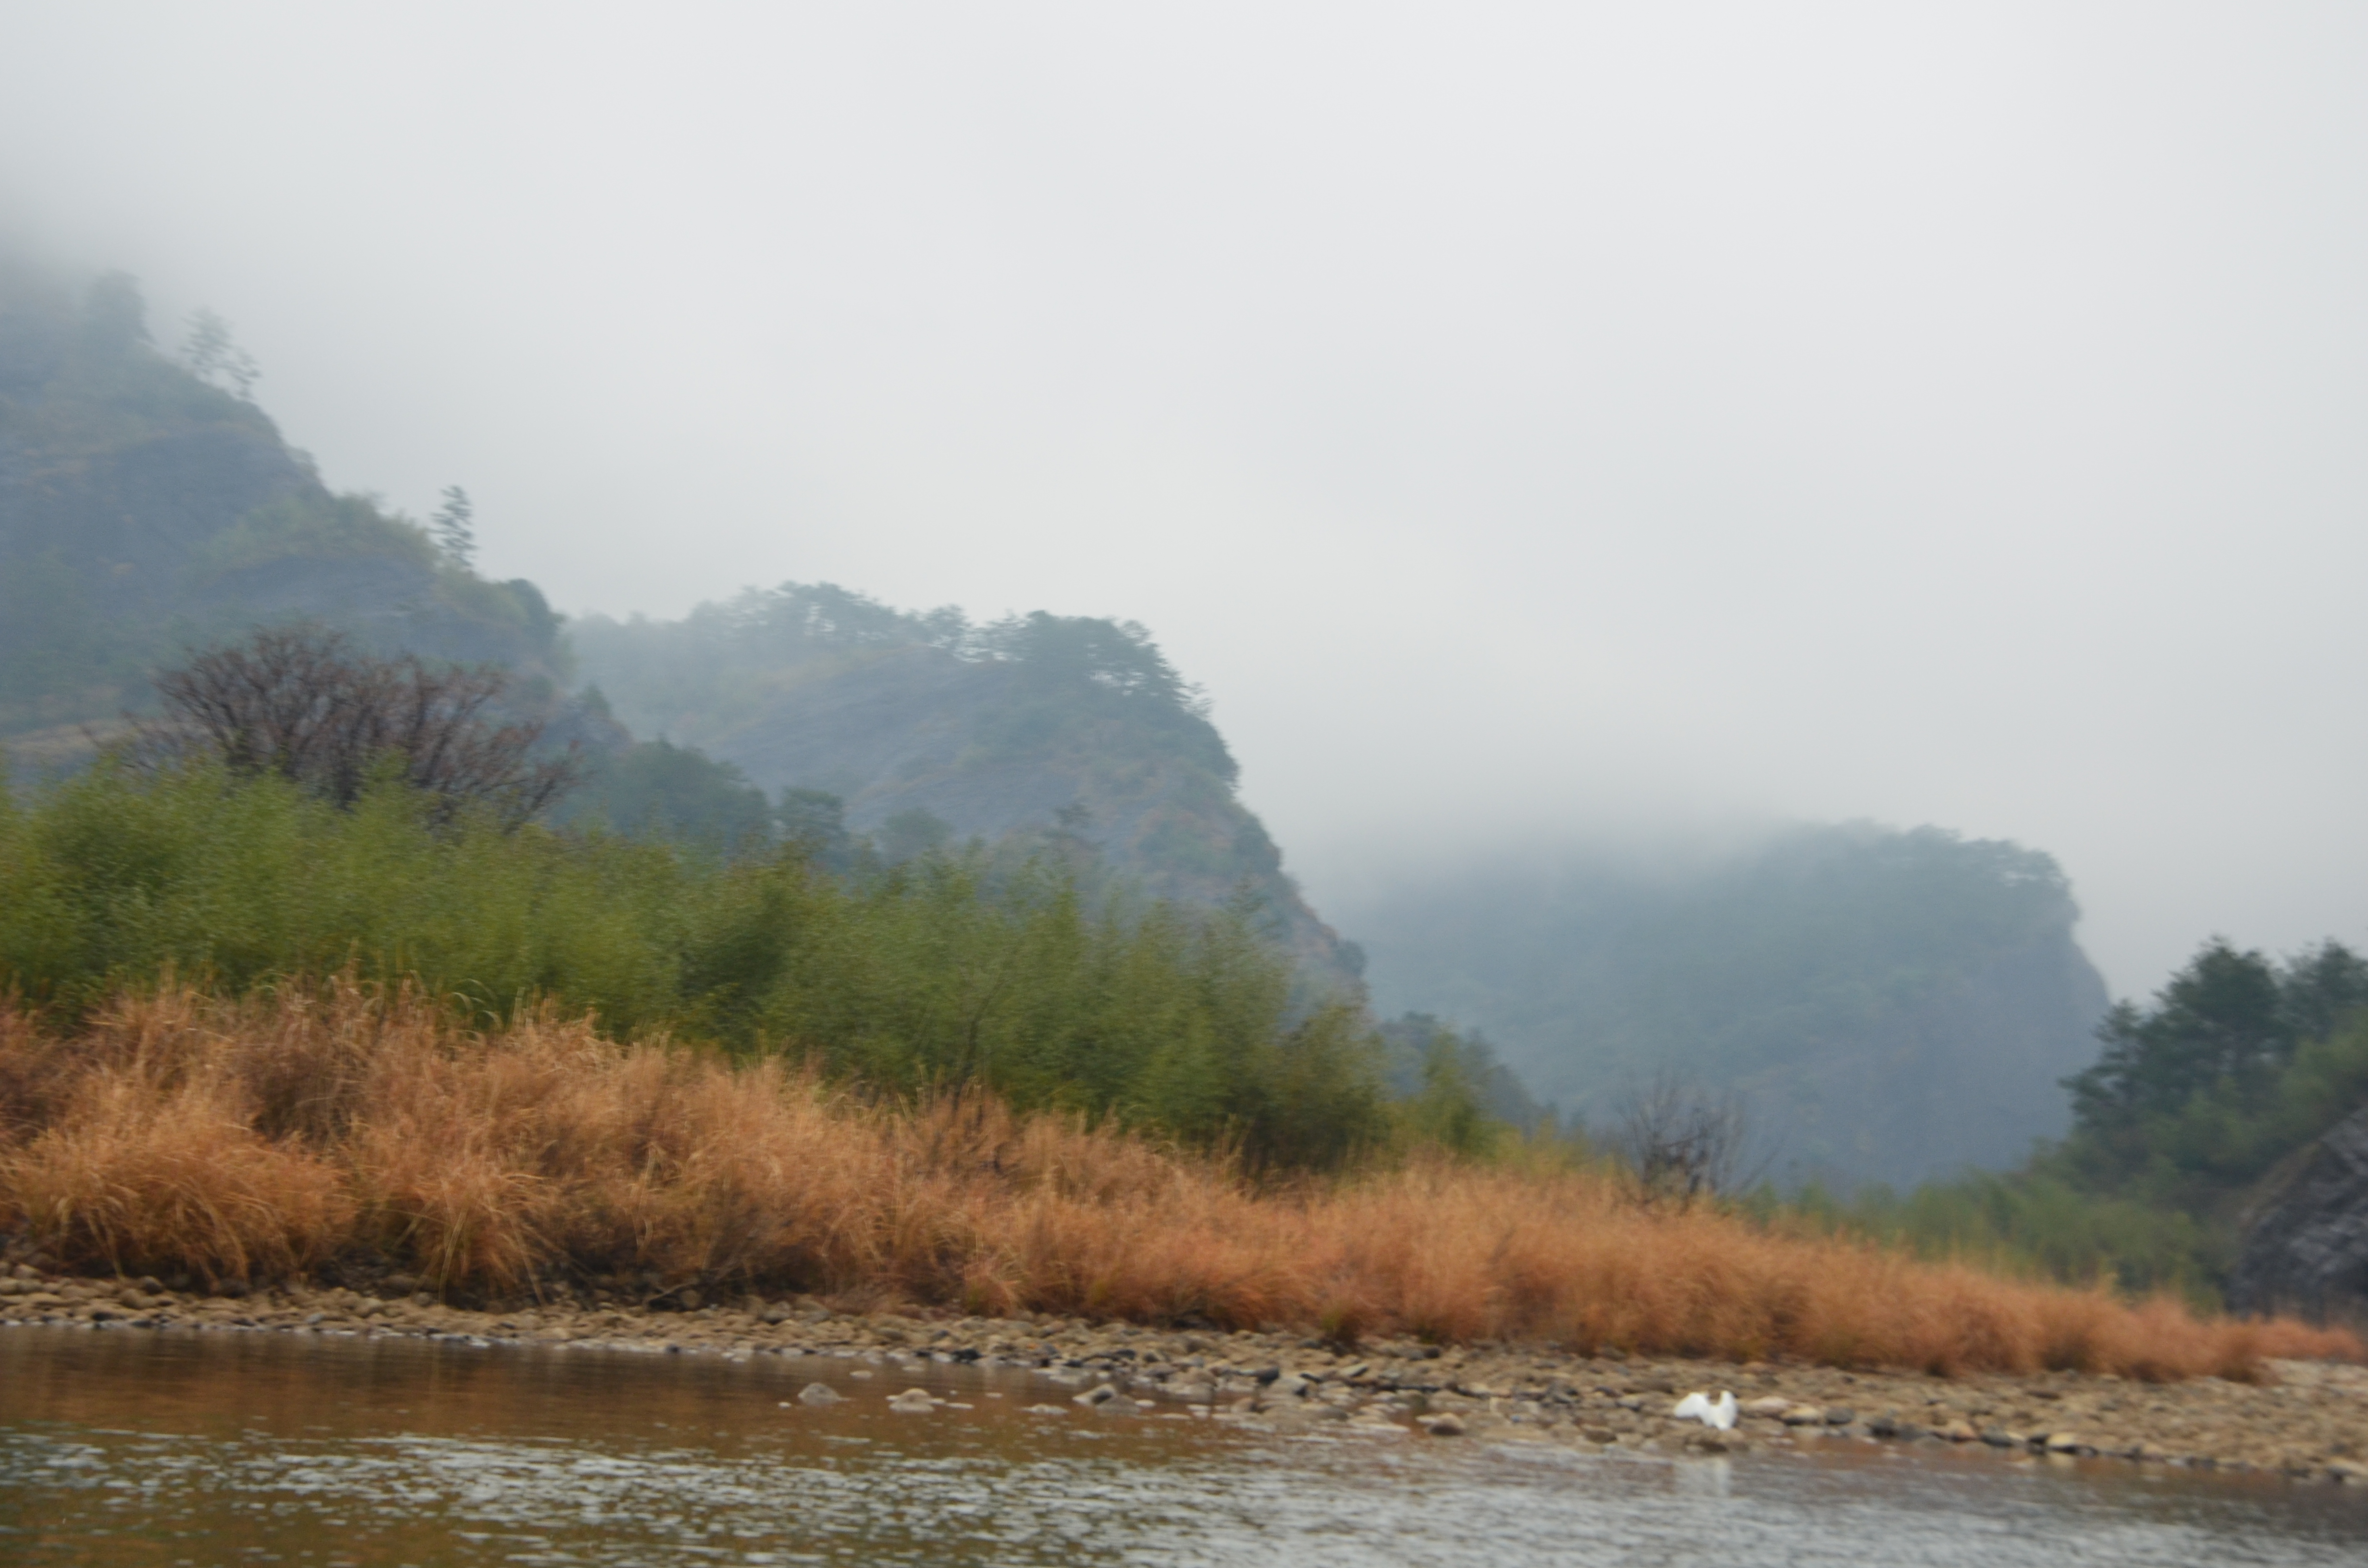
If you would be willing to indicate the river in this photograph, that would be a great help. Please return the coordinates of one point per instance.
(132, 1447)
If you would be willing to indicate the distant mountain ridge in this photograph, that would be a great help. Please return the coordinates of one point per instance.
(1892, 1005)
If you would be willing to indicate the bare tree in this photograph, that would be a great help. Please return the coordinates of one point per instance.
(302, 702)
(1682, 1142)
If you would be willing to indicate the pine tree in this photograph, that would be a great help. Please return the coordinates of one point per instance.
(455, 529)
(211, 355)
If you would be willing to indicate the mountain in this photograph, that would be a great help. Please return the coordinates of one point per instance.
(1056, 730)
(148, 506)
(1889, 1005)
(1892, 1004)
(145, 510)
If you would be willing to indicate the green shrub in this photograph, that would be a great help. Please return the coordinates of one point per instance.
(945, 970)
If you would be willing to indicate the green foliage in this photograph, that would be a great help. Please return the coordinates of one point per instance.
(658, 789)
(2031, 1223)
(2238, 1063)
(1452, 1092)
(2213, 1051)
(945, 970)
(814, 821)
(315, 526)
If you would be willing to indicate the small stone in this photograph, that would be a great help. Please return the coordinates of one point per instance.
(1290, 1385)
(913, 1402)
(1773, 1406)
(819, 1394)
(1095, 1396)
(1443, 1424)
(2064, 1443)
(1840, 1416)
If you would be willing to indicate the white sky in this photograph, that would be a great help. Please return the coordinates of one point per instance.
(1523, 418)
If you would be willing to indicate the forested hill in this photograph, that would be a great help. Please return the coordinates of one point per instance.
(1054, 729)
(146, 507)
(1891, 1005)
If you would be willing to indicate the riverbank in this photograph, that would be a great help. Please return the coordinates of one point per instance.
(2306, 1420)
(351, 1136)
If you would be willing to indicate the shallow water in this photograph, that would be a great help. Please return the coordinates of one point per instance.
(126, 1448)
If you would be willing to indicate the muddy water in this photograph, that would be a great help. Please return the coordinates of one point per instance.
(129, 1447)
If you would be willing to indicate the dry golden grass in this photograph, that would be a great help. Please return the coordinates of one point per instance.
(316, 1128)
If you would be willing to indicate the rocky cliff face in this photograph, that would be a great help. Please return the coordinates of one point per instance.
(2306, 1248)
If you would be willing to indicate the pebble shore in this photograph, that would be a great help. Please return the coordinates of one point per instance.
(2306, 1420)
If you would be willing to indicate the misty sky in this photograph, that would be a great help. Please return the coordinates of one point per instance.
(1521, 418)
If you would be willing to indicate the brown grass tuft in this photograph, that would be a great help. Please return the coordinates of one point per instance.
(264, 1138)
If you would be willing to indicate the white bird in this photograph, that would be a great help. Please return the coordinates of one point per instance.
(1718, 1412)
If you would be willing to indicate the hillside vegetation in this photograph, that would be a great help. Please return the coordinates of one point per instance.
(944, 970)
(923, 729)
(2192, 1106)
(145, 509)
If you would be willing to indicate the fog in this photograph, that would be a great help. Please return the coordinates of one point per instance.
(1523, 419)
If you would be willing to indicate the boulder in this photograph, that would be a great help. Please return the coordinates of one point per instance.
(2305, 1247)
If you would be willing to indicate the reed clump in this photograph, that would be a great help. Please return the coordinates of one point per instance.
(344, 1127)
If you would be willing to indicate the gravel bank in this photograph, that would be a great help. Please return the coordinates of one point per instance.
(2310, 1423)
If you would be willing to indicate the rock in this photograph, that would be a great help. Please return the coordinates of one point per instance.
(912, 1402)
(1444, 1425)
(1840, 1416)
(1097, 1396)
(1957, 1431)
(1043, 1410)
(819, 1394)
(2066, 1443)
(1289, 1385)
(2306, 1245)
(1804, 1415)
(1773, 1406)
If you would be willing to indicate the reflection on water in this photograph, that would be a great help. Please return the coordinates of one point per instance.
(128, 1447)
